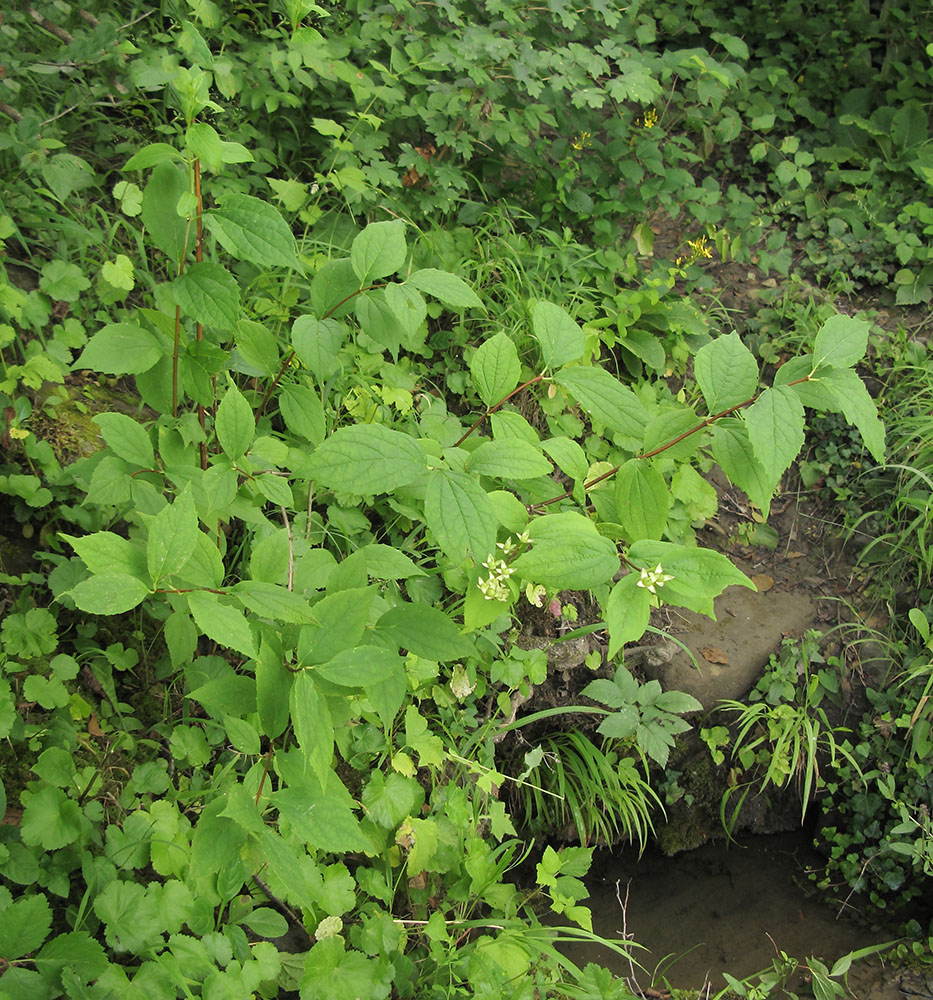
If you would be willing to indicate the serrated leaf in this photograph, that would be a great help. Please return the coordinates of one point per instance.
(732, 450)
(495, 368)
(383, 562)
(606, 400)
(460, 515)
(273, 686)
(367, 458)
(172, 536)
(74, 950)
(775, 423)
(620, 725)
(311, 721)
(557, 333)
(316, 342)
(699, 575)
(627, 611)
(361, 666)
(253, 230)
(511, 458)
(109, 594)
(425, 631)
(567, 553)
(569, 457)
(24, 925)
(303, 412)
(105, 552)
(51, 819)
(857, 406)
(275, 489)
(269, 600)
(450, 289)
(726, 372)
(120, 349)
(226, 625)
(379, 250)
(840, 342)
(642, 500)
(208, 293)
(149, 156)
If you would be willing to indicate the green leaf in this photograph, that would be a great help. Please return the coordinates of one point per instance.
(726, 372)
(378, 251)
(609, 402)
(342, 618)
(388, 799)
(495, 368)
(172, 536)
(642, 500)
(383, 562)
(569, 456)
(460, 515)
(361, 666)
(235, 424)
(154, 153)
(209, 294)
(205, 568)
(166, 230)
(333, 288)
(425, 631)
(775, 423)
(269, 600)
(62, 281)
(567, 553)
(450, 289)
(253, 230)
(407, 306)
(265, 922)
(74, 950)
(508, 459)
(627, 613)
(856, 404)
(557, 333)
(312, 723)
(273, 686)
(109, 594)
(418, 737)
(303, 412)
(316, 342)
(105, 552)
(51, 819)
(840, 342)
(732, 449)
(332, 972)
(226, 625)
(120, 349)
(367, 458)
(24, 925)
(699, 575)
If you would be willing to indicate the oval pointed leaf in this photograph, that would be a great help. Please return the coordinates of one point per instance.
(173, 533)
(775, 423)
(109, 594)
(495, 368)
(378, 251)
(460, 515)
(726, 372)
(568, 553)
(732, 450)
(209, 294)
(840, 342)
(510, 458)
(235, 424)
(606, 400)
(226, 625)
(127, 438)
(361, 666)
(450, 289)
(627, 613)
(425, 631)
(367, 458)
(642, 500)
(120, 349)
(558, 334)
(253, 230)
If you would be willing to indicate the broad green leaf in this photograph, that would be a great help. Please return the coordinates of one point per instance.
(620, 725)
(334, 972)
(726, 372)
(205, 567)
(253, 230)
(460, 515)
(266, 922)
(607, 401)
(52, 820)
(273, 686)
(569, 456)
(732, 450)
(120, 349)
(269, 600)
(407, 306)
(383, 562)
(165, 229)
(24, 925)
(62, 281)
(677, 702)
(425, 631)
(840, 342)
(275, 489)
(665, 429)
(173, 533)
(361, 666)
(106, 552)
(379, 322)
(109, 594)
(314, 729)
(333, 288)
(226, 625)
(775, 424)
(567, 553)
(368, 459)
(74, 950)
(231, 694)
(235, 424)
(508, 459)
(642, 500)
(495, 368)
(257, 347)
(388, 799)
(208, 293)
(303, 412)
(154, 153)
(557, 333)
(378, 251)
(316, 342)
(627, 612)
(451, 290)
(699, 575)
(341, 620)
(204, 143)
(856, 404)
(418, 737)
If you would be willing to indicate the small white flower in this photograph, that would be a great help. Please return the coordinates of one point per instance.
(535, 594)
(650, 579)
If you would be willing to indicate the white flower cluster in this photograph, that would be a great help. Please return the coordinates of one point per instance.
(652, 578)
(493, 587)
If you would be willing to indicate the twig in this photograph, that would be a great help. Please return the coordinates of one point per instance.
(50, 26)
(282, 907)
(291, 549)
(10, 112)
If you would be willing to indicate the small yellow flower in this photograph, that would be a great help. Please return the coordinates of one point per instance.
(699, 248)
(19, 433)
(580, 141)
(650, 118)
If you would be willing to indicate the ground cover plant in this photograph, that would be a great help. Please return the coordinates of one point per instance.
(333, 348)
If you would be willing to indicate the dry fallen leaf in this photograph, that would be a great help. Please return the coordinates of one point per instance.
(794, 555)
(763, 582)
(713, 654)
(93, 727)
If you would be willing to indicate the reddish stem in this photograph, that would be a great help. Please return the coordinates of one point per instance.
(492, 409)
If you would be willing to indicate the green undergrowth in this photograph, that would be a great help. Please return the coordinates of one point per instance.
(333, 343)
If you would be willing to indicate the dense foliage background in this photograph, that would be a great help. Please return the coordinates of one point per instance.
(344, 345)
